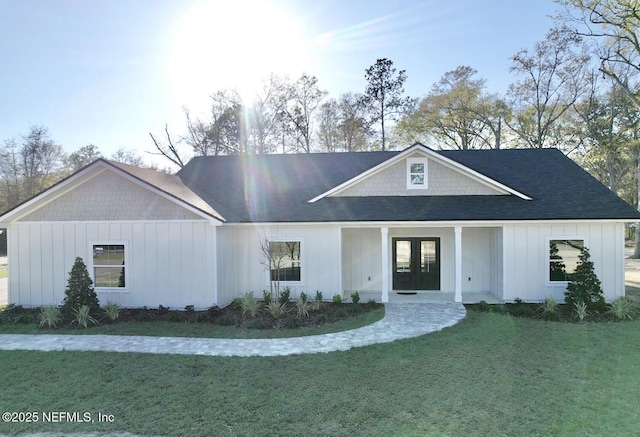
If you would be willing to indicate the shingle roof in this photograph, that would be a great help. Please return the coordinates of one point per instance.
(277, 188)
(169, 184)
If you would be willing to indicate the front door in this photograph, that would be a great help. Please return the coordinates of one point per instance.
(416, 263)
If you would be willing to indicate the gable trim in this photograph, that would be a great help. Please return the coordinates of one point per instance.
(429, 153)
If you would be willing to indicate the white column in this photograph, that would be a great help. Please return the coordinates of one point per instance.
(384, 235)
(458, 263)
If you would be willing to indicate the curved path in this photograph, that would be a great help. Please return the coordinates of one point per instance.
(400, 321)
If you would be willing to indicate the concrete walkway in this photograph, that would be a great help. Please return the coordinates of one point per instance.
(400, 321)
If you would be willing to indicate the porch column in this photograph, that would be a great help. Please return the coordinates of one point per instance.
(458, 263)
(384, 235)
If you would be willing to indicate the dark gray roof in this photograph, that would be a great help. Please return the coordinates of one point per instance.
(277, 188)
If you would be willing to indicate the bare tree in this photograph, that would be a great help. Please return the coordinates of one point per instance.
(128, 157)
(553, 79)
(329, 126)
(169, 150)
(297, 107)
(40, 160)
(354, 127)
(457, 113)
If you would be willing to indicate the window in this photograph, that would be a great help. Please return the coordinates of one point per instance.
(109, 265)
(416, 173)
(285, 261)
(564, 255)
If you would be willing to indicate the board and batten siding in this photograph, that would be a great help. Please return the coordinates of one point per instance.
(170, 263)
(242, 266)
(526, 269)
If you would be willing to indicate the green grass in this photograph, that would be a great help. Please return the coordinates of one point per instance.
(489, 375)
(208, 330)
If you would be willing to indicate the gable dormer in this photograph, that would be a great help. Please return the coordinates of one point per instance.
(420, 171)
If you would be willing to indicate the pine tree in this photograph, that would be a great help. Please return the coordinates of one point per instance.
(585, 285)
(79, 289)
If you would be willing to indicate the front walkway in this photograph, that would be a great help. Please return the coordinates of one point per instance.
(400, 321)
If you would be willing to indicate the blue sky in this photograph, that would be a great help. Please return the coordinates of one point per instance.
(108, 72)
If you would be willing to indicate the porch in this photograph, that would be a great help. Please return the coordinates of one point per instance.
(423, 262)
(428, 297)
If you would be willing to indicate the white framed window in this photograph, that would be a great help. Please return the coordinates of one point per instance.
(285, 259)
(109, 265)
(563, 256)
(416, 173)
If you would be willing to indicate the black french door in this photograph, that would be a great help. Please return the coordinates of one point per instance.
(416, 263)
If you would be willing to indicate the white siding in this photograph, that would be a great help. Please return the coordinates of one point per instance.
(241, 264)
(169, 263)
(526, 268)
(361, 260)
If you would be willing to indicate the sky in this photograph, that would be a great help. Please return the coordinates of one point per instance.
(108, 72)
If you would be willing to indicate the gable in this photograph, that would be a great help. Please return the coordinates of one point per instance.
(441, 181)
(109, 196)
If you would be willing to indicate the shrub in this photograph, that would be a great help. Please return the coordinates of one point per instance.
(580, 310)
(255, 324)
(249, 304)
(303, 306)
(550, 310)
(317, 302)
(214, 311)
(189, 312)
(337, 299)
(83, 317)
(585, 285)
(355, 297)
(482, 306)
(79, 290)
(291, 323)
(112, 310)
(285, 296)
(266, 297)
(162, 310)
(321, 319)
(623, 309)
(49, 316)
(276, 309)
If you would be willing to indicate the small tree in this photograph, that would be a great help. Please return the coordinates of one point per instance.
(79, 290)
(585, 285)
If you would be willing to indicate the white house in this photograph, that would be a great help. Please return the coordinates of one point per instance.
(447, 225)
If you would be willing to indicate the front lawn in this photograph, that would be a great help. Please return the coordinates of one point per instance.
(492, 374)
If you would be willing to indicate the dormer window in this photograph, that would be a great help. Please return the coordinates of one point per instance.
(416, 173)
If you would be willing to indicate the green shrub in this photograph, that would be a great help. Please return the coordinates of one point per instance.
(317, 302)
(342, 312)
(276, 309)
(266, 297)
(482, 306)
(585, 285)
(285, 296)
(49, 316)
(623, 309)
(355, 297)
(112, 310)
(303, 306)
(249, 304)
(83, 317)
(580, 311)
(321, 319)
(550, 309)
(79, 290)
(291, 323)
(337, 299)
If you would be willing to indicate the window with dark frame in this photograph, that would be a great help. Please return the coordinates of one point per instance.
(285, 261)
(564, 255)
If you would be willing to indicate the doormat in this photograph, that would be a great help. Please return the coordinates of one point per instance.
(406, 292)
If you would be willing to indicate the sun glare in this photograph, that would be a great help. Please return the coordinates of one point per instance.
(233, 45)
